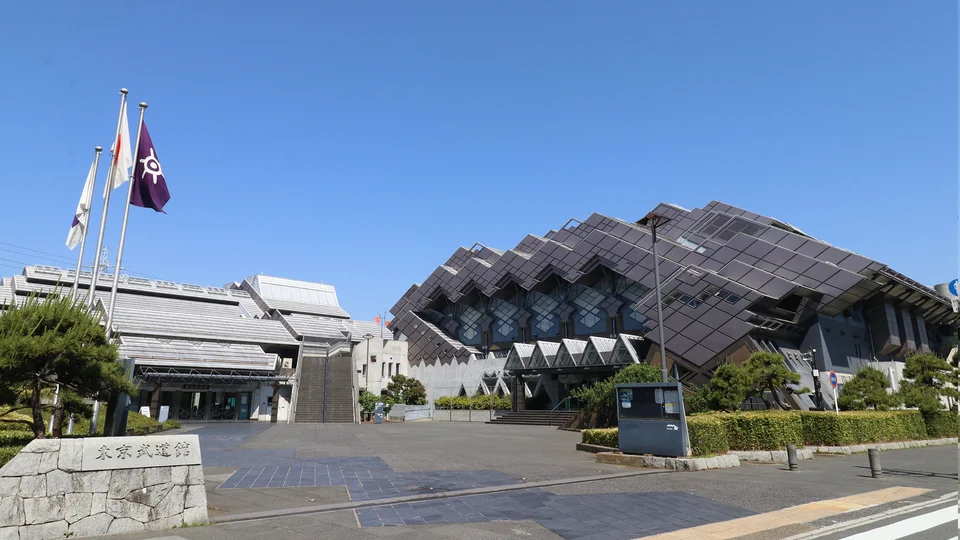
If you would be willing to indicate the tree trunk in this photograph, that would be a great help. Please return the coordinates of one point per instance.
(39, 430)
(58, 420)
(776, 397)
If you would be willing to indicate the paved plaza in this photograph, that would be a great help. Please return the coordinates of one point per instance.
(522, 477)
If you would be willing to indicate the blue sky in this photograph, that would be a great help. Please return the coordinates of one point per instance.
(360, 143)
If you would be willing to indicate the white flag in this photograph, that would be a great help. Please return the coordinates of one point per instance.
(82, 217)
(122, 158)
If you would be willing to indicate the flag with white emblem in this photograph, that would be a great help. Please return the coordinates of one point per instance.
(82, 215)
(150, 188)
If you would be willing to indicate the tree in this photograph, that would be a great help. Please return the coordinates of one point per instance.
(49, 341)
(601, 397)
(698, 401)
(729, 387)
(406, 391)
(867, 390)
(769, 373)
(929, 379)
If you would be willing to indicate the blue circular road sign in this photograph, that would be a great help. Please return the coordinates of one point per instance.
(833, 379)
(953, 288)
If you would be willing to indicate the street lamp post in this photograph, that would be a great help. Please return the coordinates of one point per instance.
(654, 220)
(366, 369)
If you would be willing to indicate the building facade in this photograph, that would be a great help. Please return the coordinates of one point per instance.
(577, 303)
(255, 349)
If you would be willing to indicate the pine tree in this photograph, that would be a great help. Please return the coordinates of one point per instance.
(53, 341)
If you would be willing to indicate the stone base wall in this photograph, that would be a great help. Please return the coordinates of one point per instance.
(45, 494)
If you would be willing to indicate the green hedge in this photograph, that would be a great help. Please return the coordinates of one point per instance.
(500, 403)
(718, 433)
(772, 430)
(140, 424)
(171, 424)
(942, 424)
(601, 437)
(859, 427)
(15, 438)
(7, 453)
(708, 435)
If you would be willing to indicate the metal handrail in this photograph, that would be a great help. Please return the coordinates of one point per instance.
(553, 410)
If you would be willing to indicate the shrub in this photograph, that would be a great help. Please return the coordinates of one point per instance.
(942, 424)
(15, 438)
(406, 390)
(708, 435)
(728, 388)
(697, 401)
(7, 453)
(867, 390)
(442, 402)
(171, 424)
(140, 424)
(858, 427)
(601, 437)
(600, 398)
(768, 372)
(771, 430)
(479, 402)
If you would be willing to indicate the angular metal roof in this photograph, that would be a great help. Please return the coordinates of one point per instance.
(195, 354)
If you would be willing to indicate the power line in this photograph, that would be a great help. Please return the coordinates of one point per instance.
(59, 259)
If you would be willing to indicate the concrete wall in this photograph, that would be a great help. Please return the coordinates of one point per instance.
(55, 488)
(407, 413)
(387, 357)
(446, 377)
(455, 415)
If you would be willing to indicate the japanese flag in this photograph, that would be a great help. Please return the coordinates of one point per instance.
(122, 155)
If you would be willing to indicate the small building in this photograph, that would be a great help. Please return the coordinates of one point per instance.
(265, 348)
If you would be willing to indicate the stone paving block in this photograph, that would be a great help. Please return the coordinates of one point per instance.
(48, 462)
(42, 445)
(95, 525)
(11, 511)
(33, 486)
(71, 455)
(22, 464)
(9, 533)
(43, 509)
(45, 531)
(9, 486)
(125, 525)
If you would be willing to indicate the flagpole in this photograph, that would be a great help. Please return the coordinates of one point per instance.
(106, 204)
(86, 227)
(123, 228)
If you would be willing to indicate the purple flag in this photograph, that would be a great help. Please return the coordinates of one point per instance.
(149, 187)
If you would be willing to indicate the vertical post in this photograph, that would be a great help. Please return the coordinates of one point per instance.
(123, 228)
(792, 457)
(56, 398)
(836, 403)
(656, 276)
(326, 365)
(86, 226)
(873, 455)
(103, 223)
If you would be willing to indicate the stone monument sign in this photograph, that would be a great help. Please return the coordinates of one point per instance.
(56, 488)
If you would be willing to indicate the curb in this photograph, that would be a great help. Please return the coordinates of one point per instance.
(323, 508)
(671, 464)
(775, 456)
(861, 448)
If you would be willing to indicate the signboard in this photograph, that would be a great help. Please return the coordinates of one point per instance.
(833, 379)
(164, 414)
(106, 453)
(145, 410)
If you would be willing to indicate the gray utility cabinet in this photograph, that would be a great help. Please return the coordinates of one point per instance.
(651, 419)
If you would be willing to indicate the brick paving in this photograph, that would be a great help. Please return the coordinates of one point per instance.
(366, 478)
(606, 516)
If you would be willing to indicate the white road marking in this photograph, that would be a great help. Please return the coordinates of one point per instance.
(909, 526)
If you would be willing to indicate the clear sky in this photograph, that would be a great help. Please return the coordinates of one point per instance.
(360, 143)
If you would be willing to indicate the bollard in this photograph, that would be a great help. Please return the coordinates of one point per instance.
(792, 457)
(874, 455)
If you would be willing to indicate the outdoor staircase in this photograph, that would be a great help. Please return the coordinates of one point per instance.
(535, 418)
(340, 395)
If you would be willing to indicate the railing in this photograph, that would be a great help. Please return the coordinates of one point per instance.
(554, 410)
